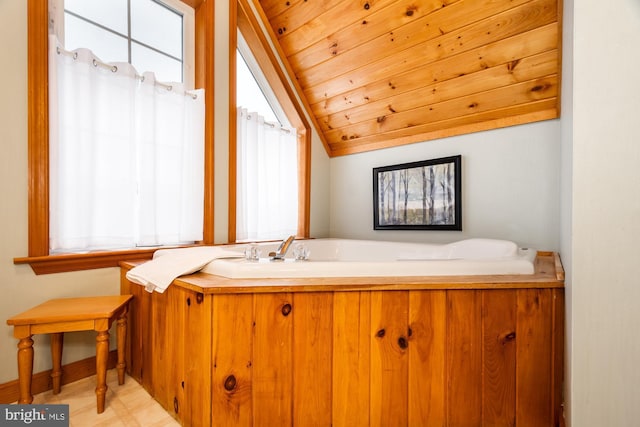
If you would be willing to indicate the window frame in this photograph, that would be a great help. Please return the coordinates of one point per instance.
(38, 143)
(243, 18)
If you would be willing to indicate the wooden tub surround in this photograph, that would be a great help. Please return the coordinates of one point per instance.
(404, 351)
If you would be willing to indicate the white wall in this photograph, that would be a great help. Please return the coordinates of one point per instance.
(221, 126)
(320, 189)
(566, 188)
(510, 186)
(605, 217)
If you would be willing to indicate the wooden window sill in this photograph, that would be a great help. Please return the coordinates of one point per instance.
(48, 264)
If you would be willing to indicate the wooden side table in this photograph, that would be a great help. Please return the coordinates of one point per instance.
(58, 316)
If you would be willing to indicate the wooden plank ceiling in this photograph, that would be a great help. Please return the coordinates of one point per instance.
(382, 73)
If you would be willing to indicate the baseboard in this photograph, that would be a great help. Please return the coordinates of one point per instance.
(41, 382)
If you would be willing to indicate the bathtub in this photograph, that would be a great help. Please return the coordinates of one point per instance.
(365, 258)
(338, 350)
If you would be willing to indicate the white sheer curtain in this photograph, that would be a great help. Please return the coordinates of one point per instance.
(126, 156)
(267, 179)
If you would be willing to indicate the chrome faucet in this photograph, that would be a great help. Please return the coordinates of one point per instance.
(280, 253)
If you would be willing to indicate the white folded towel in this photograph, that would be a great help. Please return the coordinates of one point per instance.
(167, 264)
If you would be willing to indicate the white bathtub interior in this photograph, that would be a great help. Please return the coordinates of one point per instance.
(365, 258)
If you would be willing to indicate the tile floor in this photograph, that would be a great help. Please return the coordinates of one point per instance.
(127, 405)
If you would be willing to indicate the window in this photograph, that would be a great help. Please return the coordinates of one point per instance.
(120, 138)
(267, 165)
(284, 208)
(249, 93)
(38, 140)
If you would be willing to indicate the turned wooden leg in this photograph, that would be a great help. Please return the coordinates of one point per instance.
(121, 331)
(25, 369)
(102, 354)
(56, 359)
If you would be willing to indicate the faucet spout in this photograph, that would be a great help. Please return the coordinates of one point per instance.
(280, 253)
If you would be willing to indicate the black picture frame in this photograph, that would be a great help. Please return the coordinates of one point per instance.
(423, 195)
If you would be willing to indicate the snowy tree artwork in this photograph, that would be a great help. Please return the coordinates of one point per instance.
(419, 195)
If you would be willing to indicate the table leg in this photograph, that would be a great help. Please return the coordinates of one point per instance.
(102, 354)
(56, 359)
(25, 369)
(121, 330)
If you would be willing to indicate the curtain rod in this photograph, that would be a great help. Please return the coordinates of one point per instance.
(114, 68)
(270, 124)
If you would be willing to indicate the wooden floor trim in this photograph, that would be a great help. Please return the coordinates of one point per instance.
(41, 381)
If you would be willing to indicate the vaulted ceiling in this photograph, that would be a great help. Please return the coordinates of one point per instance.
(382, 73)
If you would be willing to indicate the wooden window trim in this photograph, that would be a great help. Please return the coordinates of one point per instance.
(243, 18)
(38, 143)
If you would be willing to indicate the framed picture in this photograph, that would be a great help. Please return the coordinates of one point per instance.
(424, 195)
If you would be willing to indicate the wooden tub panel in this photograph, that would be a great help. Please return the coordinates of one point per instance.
(557, 353)
(464, 358)
(272, 359)
(195, 374)
(498, 357)
(312, 358)
(427, 350)
(138, 340)
(232, 364)
(351, 359)
(389, 358)
(163, 342)
(180, 350)
(534, 355)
